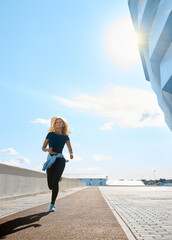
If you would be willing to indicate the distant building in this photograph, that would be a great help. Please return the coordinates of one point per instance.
(166, 184)
(152, 20)
(123, 182)
(91, 180)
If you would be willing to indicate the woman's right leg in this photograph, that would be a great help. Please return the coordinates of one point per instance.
(58, 170)
(50, 173)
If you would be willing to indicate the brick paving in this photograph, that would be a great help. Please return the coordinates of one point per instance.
(147, 211)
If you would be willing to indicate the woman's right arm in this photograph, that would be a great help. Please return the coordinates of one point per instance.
(45, 145)
(50, 150)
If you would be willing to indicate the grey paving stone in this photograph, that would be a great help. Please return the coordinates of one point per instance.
(146, 210)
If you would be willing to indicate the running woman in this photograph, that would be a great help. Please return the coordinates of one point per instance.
(56, 138)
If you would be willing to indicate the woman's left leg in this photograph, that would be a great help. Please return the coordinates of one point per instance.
(58, 171)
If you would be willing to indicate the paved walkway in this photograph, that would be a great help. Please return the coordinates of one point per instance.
(83, 215)
(147, 211)
(14, 205)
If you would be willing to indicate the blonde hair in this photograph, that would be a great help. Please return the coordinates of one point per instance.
(65, 130)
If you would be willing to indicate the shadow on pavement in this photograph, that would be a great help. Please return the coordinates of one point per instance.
(15, 225)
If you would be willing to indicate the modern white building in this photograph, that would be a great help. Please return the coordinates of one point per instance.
(90, 180)
(152, 20)
(124, 182)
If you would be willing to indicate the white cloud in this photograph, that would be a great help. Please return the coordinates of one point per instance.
(14, 162)
(99, 157)
(22, 159)
(108, 126)
(9, 151)
(75, 159)
(42, 121)
(17, 161)
(128, 107)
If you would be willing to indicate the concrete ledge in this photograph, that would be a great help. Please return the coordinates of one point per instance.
(17, 182)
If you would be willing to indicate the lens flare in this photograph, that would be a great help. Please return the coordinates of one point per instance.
(122, 44)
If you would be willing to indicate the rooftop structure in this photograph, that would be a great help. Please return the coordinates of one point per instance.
(152, 20)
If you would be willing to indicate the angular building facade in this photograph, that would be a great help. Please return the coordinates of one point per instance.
(152, 20)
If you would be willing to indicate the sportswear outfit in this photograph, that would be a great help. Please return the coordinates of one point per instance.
(55, 163)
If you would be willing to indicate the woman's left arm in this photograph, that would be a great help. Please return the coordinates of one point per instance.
(70, 149)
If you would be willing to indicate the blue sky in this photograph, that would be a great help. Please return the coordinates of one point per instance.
(75, 59)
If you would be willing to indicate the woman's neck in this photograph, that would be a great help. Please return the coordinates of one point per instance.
(58, 131)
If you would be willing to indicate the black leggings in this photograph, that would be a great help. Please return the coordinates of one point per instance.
(53, 176)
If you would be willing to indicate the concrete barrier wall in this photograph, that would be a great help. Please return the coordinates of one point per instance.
(15, 181)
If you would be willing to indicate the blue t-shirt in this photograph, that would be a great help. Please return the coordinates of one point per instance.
(56, 141)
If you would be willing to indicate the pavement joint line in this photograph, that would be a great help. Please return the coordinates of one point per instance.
(130, 235)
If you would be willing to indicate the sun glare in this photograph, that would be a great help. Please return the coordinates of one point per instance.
(122, 44)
